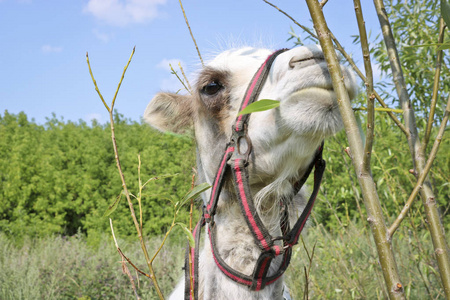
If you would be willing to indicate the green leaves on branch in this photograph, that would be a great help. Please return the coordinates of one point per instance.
(260, 105)
(188, 233)
(445, 13)
(194, 193)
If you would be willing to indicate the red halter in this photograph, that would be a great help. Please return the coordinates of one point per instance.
(237, 162)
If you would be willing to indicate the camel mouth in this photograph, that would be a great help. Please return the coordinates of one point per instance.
(320, 93)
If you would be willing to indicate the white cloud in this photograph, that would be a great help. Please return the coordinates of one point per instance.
(104, 37)
(124, 12)
(51, 49)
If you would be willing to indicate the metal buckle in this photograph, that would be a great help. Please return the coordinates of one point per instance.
(237, 137)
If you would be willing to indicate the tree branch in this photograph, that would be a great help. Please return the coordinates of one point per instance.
(375, 216)
(369, 86)
(434, 97)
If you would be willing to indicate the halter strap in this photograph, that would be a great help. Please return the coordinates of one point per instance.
(236, 162)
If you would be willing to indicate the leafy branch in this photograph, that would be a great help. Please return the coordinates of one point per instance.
(416, 149)
(119, 167)
(192, 194)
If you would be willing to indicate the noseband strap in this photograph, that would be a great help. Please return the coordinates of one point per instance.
(236, 162)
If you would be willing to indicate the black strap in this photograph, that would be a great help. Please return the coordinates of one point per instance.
(259, 278)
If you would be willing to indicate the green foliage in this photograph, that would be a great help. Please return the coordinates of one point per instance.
(62, 177)
(445, 11)
(415, 23)
(345, 264)
(340, 194)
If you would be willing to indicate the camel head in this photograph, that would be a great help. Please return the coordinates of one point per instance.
(284, 139)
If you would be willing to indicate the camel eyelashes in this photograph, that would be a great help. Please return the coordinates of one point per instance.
(212, 88)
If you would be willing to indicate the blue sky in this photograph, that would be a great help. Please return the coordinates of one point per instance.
(44, 42)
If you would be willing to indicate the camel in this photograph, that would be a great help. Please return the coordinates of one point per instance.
(284, 143)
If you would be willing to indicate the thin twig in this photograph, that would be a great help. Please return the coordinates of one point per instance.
(139, 198)
(369, 86)
(121, 253)
(185, 78)
(122, 176)
(323, 2)
(293, 20)
(136, 268)
(190, 31)
(124, 265)
(164, 239)
(380, 109)
(121, 79)
(434, 96)
(399, 80)
(424, 173)
(179, 79)
(191, 271)
(95, 83)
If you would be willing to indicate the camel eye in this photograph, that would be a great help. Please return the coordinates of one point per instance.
(212, 88)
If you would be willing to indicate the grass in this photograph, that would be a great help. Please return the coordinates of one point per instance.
(344, 265)
(68, 268)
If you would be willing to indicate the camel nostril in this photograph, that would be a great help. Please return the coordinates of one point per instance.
(297, 60)
(292, 62)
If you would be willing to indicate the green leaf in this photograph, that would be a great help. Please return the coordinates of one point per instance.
(188, 233)
(445, 12)
(195, 192)
(260, 105)
(444, 46)
(113, 206)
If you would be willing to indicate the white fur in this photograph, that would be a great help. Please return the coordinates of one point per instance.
(284, 142)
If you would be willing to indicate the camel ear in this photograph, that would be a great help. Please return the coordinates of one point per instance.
(170, 112)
